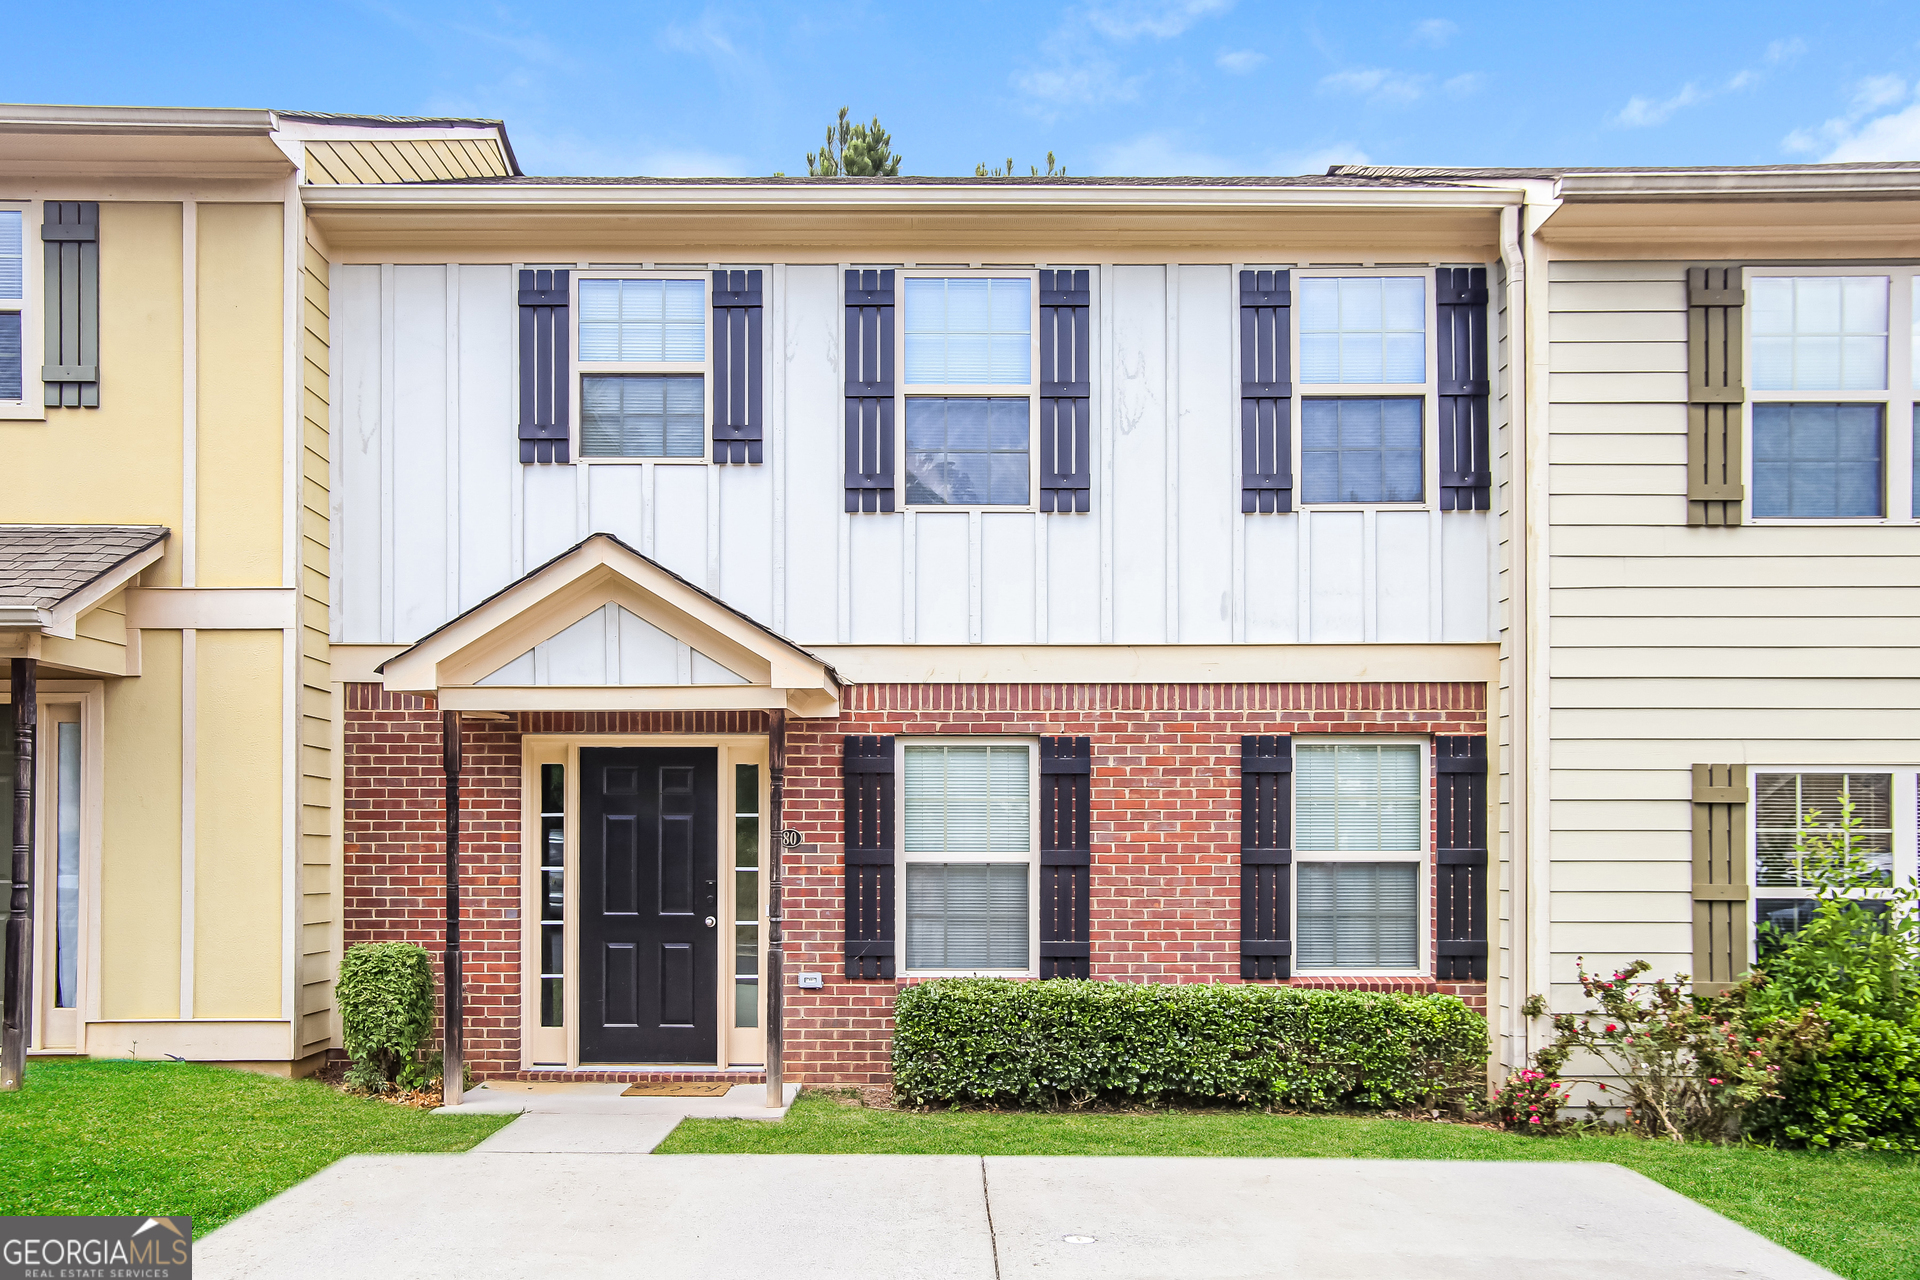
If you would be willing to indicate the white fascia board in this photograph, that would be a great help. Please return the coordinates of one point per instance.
(62, 619)
(322, 131)
(41, 118)
(1901, 183)
(525, 196)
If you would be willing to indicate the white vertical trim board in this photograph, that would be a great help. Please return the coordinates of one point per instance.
(389, 547)
(1104, 495)
(775, 322)
(189, 389)
(189, 766)
(1170, 395)
(454, 603)
(517, 548)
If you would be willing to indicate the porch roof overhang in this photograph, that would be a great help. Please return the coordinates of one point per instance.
(464, 661)
(52, 574)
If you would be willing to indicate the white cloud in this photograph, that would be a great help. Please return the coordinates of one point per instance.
(1640, 113)
(1239, 61)
(1377, 85)
(1434, 32)
(1161, 153)
(1161, 19)
(1462, 85)
(1890, 137)
(1086, 82)
(1893, 136)
(1786, 50)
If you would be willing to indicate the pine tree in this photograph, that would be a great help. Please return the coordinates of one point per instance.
(854, 151)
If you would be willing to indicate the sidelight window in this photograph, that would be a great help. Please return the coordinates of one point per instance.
(746, 895)
(553, 853)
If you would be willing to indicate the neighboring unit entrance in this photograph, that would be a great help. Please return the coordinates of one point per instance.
(649, 898)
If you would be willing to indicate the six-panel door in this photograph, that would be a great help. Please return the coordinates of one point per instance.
(649, 897)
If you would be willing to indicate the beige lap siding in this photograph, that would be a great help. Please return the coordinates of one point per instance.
(1165, 832)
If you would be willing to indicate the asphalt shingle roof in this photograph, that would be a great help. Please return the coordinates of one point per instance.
(43, 564)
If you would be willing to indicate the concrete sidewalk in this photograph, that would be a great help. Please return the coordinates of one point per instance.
(513, 1213)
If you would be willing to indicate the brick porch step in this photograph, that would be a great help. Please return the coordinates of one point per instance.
(615, 1075)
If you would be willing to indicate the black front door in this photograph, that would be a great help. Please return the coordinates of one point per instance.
(649, 872)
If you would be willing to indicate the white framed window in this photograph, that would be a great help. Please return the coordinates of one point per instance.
(968, 874)
(642, 366)
(1360, 856)
(1364, 363)
(969, 388)
(1831, 370)
(1792, 802)
(21, 336)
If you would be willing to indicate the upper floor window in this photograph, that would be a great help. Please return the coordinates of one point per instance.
(642, 357)
(13, 292)
(1365, 335)
(968, 390)
(1831, 362)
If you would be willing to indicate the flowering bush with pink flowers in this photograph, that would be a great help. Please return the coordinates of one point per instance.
(1682, 1066)
(1530, 1101)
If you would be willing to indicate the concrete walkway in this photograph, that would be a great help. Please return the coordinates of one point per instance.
(593, 1119)
(560, 1192)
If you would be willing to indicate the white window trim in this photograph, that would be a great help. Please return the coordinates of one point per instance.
(1030, 389)
(579, 369)
(1906, 840)
(1896, 445)
(31, 406)
(1422, 859)
(901, 857)
(1428, 391)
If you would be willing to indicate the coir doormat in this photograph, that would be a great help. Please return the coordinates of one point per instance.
(678, 1089)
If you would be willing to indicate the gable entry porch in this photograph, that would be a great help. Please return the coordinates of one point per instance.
(610, 755)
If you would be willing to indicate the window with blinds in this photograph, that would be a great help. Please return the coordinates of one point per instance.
(1356, 806)
(1792, 810)
(644, 366)
(968, 850)
(13, 277)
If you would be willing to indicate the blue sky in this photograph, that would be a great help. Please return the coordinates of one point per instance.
(1110, 86)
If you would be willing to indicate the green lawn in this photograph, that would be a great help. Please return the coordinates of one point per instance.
(1856, 1214)
(115, 1137)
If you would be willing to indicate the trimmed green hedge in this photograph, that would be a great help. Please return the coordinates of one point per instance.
(995, 1040)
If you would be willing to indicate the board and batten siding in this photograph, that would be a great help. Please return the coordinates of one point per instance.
(434, 512)
(1673, 646)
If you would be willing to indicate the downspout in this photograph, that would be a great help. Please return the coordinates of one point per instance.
(18, 1001)
(453, 1068)
(776, 977)
(1519, 629)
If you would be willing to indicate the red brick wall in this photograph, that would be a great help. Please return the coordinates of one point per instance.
(1166, 827)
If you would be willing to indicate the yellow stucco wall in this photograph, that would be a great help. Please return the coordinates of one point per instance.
(140, 838)
(241, 431)
(119, 463)
(238, 923)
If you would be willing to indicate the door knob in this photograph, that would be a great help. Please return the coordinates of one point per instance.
(710, 922)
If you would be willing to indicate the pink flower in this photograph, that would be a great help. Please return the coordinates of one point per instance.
(1611, 1028)
(1534, 1120)
(1713, 1080)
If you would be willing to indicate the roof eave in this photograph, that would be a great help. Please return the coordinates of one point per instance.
(150, 121)
(1825, 184)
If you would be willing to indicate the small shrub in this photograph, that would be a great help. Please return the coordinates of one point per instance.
(385, 993)
(1530, 1101)
(1858, 1087)
(1688, 1067)
(993, 1040)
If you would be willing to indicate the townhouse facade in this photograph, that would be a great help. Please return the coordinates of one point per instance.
(1391, 580)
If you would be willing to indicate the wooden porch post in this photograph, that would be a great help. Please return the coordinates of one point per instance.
(776, 979)
(19, 996)
(452, 1063)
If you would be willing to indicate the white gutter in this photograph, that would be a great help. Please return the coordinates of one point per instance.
(41, 118)
(1864, 183)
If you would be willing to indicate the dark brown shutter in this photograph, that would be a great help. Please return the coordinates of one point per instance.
(546, 366)
(869, 852)
(1721, 891)
(1460, 848)
(1460, 341)
(1066, 388)
(1716, 390)
(737, 310)
(71, 373)
(1266, 392)
(1066, 855)
(869, 358)
(1266, 857)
